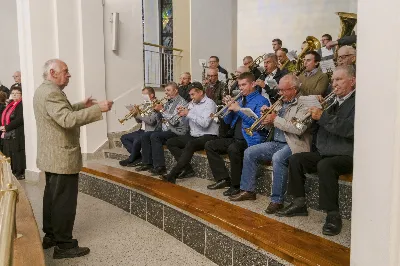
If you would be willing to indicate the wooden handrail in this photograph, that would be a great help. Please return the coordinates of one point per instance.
(163, 47)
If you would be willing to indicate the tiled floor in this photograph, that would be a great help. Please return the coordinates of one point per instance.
(116, 237)
(312, 223)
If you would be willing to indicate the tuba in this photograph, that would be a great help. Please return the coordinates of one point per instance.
(347, 23)
(312, 45)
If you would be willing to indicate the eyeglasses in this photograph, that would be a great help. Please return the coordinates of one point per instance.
(212, 61)
(212, 75)
(16, 93)
(344, 56)
(283, 90)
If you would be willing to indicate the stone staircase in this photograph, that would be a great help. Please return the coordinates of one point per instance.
(205, 220)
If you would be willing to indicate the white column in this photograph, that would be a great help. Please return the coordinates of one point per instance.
(71, 30)
(376, 183)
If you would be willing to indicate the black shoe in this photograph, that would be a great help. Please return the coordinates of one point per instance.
(20, 177)
(292, 210)
(169, 178)
(70, 252)
(186, 173)
(232, 191)
(48, 242)
(333, 225)
(220, 184)
(160, 170)
(143, 167)
(124, 162)
(135, 163)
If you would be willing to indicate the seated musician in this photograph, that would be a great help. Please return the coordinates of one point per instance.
(334, 157)
(238, 141)
(213, 63)
(327, 54)
(346, 56)
(247, 62)
(150, 122)
(313, 80)
(153, 158)
(286, 139)
(183, 88)
(234, 87)
(202, 129)
(215, 89)
(271, 72)
(284, 63)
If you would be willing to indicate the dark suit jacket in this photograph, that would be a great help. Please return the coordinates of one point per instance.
(223, 71)
(273, 93)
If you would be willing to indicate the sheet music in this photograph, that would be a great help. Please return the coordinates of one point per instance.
(248, 112)
(271, 83)
(311, 101)
(292, 55)
(327, 65)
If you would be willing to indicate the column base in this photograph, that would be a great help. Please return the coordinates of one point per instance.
(33, 176)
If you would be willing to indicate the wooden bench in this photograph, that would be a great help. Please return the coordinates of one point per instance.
(291, 244)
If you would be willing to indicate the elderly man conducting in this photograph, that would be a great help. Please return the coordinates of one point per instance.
(334, 155)
(286, 140)
(59, 155)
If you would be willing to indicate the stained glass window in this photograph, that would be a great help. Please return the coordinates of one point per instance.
(167, 39)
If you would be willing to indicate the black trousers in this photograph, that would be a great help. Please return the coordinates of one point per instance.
(152, 147)
(328, 168)
(59, 208)
(132, 143)
(235, 150)
(183, 148)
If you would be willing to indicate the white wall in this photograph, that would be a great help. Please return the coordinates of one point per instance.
(213, 32)
(9, 51)
(124, 68)
(261, 21)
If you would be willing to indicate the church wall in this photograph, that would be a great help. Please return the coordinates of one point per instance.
(261, 21)
(9, 50)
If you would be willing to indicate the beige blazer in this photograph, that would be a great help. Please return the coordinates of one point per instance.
(58, 129)
(298, 140)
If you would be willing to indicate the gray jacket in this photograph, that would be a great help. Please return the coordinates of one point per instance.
(298, 140)
(171, 121)
(152, 121)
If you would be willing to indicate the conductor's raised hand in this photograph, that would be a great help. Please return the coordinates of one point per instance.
(105, 105)
(89, 101)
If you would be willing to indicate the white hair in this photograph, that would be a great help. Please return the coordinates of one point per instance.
(293, 80)
(50, 64)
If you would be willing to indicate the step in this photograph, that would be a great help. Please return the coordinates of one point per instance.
(222, 231)
(264, 179)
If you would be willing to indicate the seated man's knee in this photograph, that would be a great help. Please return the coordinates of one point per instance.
(324, 166)
(234, 149)
(295, 159)
(154, 137)
(209, 146)
(124, 137)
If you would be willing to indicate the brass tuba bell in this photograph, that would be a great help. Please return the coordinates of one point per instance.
(347, 23)
(312, 45)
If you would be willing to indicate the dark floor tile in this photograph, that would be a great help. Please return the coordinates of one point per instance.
(173, 222)
(244, 255)
(193, 234)
(155, 213)
(218, 247)
(138, 205)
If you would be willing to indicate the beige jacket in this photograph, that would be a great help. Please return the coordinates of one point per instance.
(58, 123)
(298, 140)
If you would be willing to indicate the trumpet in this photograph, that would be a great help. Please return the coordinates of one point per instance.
(142, 109)
(175, 116)
(256, 62)
(256, 125)
(306, 120)
(221, 113)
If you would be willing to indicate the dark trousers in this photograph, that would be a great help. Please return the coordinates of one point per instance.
(235, 150)
(183, 148)
(328, 168)
(59, 208)
(152, 147)
(132, 143)
(12, 149)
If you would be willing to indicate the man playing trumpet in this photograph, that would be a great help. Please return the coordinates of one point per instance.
(334, 155)
(238, 141)
(150, 122)
(202, 129)
(285, 139)
(152, 142)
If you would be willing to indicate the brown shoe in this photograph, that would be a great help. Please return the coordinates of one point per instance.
(273, 207)
(243, 195)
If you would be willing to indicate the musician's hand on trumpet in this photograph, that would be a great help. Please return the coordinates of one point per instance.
(234, 106)
(182, 111)
(269, 119)
(158, 107)
(316, 113)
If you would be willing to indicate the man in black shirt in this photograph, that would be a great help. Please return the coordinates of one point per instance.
(213, 63)
(184, 83)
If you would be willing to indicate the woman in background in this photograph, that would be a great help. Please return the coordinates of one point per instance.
(12, 126)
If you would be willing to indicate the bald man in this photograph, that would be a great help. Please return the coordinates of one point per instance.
(59, 155)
